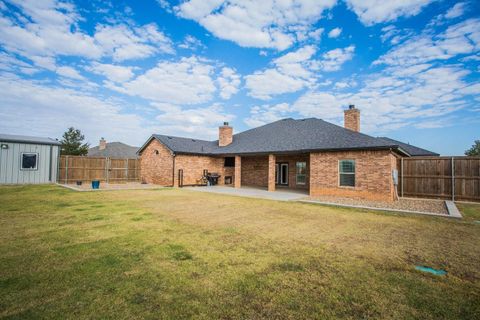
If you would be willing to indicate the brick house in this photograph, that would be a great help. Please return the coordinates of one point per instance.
(308, 154)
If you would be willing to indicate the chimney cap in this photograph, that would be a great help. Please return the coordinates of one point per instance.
(225, 123)
(351, 106)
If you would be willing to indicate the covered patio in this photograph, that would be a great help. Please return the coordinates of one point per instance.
(273, 172)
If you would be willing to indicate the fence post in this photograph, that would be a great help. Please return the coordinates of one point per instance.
(401, 173)
(66, 169)
(453, 179)
(126, 172)
(106, 169)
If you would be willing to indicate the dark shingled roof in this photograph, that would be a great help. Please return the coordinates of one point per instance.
(114, 150)
(412, 150)
(186, 145)
(283, 136)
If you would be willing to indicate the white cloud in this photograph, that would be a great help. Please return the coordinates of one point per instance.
(46, 40)
(316, 34)
(396, 97)
(36, 105)
(290, 74)
(461, 38)
(50, 28)
(69, 72)
(334, 33)
(334, 59)
(228, 82)
(12, 64)
(112, 72)
(260, 115)
(188, 81)
(456, 11)
(261, 24)
(192, 43)
(200, 123)
(164, 4)
(321, 105)
(395, 35)
(124, 43)
(375, 11)
(341, 85)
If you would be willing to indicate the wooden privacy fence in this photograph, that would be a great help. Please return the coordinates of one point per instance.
(455, 178)
(77, 168)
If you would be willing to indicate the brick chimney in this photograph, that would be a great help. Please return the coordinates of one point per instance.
(351, 118)
(225, 135)
(103, 144)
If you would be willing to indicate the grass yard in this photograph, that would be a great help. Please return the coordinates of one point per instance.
(175, 254)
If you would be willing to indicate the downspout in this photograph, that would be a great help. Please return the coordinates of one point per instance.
(173, 170)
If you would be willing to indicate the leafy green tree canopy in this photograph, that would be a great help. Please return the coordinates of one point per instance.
(474, 150)
(72, 143)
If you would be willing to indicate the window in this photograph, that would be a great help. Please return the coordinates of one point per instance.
(347, 173)
(301, 173)
(229, 162)
(29, 161)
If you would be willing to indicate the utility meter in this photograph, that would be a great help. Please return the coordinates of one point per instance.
(395, 176)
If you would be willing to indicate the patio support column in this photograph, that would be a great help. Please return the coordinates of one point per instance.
(271, 172)
(238, 172)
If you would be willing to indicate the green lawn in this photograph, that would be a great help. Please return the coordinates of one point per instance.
(176, 254)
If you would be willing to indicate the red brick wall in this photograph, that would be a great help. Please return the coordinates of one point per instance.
(351, 119)
(225, 136)
(255, 171)
(193, 167)
(373, 174)
(237, 182)
(271, 172)
(373, 179)
(156, 168)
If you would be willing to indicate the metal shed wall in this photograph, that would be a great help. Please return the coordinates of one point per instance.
(10, 163)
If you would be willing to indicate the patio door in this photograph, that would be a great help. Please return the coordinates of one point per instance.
(281, 174)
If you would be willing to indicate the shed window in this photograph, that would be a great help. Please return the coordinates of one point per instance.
(229, 162)
(29, 161)
(347, 173)
(301, 173)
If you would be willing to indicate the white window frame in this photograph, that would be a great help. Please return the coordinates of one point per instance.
(304, 175)
(353, 173)
(36, 161)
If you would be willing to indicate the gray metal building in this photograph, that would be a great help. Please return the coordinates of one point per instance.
(28, 160)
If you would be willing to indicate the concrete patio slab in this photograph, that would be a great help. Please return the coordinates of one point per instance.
(253, 192)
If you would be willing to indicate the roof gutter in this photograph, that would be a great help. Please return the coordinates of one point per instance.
(46, 143)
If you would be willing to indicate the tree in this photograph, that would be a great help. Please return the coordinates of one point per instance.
(72, 143)
(474, 150)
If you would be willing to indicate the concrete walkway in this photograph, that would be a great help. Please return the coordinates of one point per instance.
(253, 192)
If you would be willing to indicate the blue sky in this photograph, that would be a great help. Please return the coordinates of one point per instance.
(126, 69)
